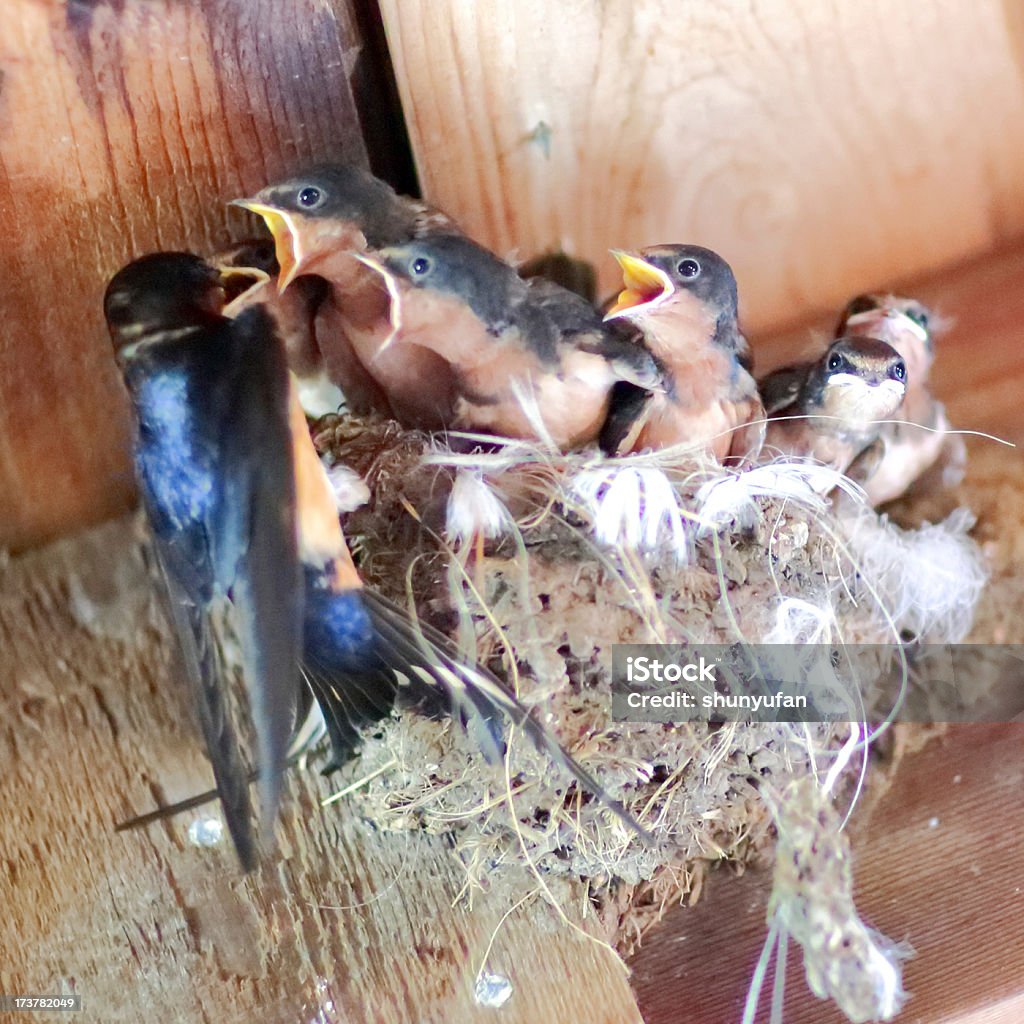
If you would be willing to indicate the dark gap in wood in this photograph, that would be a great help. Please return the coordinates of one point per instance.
(375, 91)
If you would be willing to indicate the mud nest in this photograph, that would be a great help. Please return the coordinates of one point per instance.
(535, 563)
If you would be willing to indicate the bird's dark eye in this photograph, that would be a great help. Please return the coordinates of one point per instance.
(309, 197)
(688, 268)
(899, 371)
(420, 266)
(835, 362)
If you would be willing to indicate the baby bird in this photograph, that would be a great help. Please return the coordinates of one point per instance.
(829, 410)
(521, 358)
(682, 299)
(321, 220)
(920, 437)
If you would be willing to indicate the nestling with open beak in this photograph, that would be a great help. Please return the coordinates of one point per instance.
(920, 438)
(249, 271)
(522, 359)
(830, 410)
(682, 299)
(213, 457)
(320, 220)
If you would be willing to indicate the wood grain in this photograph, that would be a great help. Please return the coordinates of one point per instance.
(124, 127)
(819, 147)
(346, 926)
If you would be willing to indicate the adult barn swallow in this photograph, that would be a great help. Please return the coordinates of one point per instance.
(320, 220)
(682, 299)
(829, 409)
(522, 358)
(910, 451)
(214, 462)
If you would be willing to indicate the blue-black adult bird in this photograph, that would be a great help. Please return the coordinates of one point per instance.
(215, 468)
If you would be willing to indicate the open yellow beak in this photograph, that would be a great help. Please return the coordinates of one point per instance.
(286, 238)
(237, 283)
(644, 283)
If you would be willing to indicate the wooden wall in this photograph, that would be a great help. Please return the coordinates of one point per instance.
(821, 147)
(124, 127)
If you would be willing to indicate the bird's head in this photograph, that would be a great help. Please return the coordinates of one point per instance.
(165, 291)
(324, 211)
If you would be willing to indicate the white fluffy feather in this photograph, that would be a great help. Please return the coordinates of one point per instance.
(930, 578)
(350, 490)
(632, 506)
(732, 495)
(474, 509)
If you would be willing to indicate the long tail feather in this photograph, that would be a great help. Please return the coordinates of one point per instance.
(310, 731)
(209, 682)
(473, 693)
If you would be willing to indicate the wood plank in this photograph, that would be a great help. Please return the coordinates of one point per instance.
(347, 925)
(124, 127)
(821, 148)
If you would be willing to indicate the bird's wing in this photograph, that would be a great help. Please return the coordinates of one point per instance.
(629, 361)
(255, 536)
(781, 388)
(577, 324)
(627, 413)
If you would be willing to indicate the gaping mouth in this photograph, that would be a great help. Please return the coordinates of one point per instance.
(236, 283)
(887, 316)
(391, 284)
(645, 285)
(286, 238)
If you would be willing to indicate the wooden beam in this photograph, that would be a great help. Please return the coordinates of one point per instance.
(821, 148)
(125, 127)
